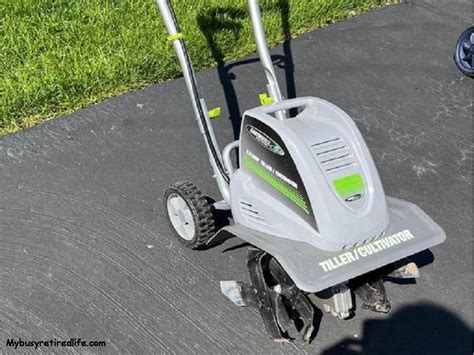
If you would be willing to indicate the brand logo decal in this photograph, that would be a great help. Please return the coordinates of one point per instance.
(264, 140)
(353, 198)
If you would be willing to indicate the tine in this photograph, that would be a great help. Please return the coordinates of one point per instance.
(283, 318)
(308, 333)
(278, 273)
(281, 305)
(408, 271)
(240, 293)
(256, 262)
(304, 308)
(373, 296)
(306, 312)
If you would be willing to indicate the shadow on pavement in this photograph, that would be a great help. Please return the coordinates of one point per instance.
(218, 19)
(423, 328)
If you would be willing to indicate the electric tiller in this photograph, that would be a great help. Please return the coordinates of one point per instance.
(307, 196)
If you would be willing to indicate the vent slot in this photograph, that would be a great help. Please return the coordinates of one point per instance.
(326, 142)
(331, 160)
(250, 213)
(363, 242)
(338, 149)
(333, 154)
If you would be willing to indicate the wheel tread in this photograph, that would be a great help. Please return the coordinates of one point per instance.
(201, 209)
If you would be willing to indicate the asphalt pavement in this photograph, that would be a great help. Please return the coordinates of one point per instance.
(85, 248)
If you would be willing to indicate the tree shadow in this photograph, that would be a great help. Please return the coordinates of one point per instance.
(419, 329)
(221, 219)
(216, 19)
(238, 246)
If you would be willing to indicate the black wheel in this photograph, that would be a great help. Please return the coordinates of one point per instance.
(189, 214)
(463, 57)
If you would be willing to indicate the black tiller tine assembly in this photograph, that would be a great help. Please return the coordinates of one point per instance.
(279, 301)
(301, 307)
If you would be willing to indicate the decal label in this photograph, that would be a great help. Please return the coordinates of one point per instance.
(350, 188)
(264, 140)
(279, 181)
(264, 155)
(366, 250)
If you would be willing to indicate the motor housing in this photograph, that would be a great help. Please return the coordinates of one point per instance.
(308, 178)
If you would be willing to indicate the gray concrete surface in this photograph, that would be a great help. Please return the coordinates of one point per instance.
(85, 250)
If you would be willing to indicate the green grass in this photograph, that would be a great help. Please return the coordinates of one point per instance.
(57, 56)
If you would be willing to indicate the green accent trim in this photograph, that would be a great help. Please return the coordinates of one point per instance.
(288, 191)
(265, 99)
(176, 36)
(214, 113)
(349, 185)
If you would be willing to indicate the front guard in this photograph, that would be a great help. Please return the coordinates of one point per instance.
(312, 270)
